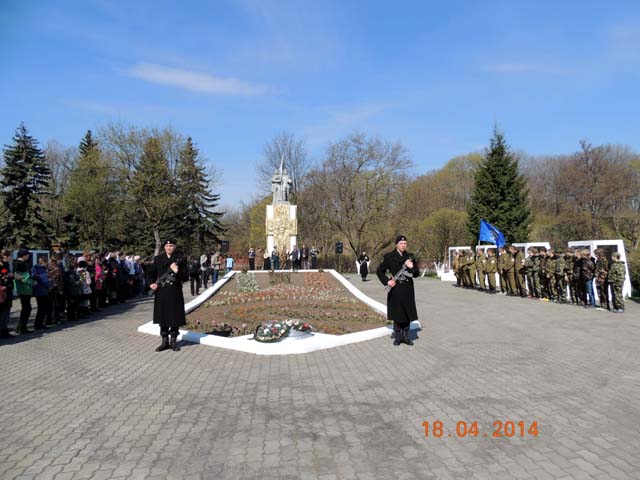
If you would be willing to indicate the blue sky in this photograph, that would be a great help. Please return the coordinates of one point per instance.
(231, 74)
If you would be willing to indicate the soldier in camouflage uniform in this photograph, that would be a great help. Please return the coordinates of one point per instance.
(568, 273)
(602, 285)
(551, 273)
(561, 285)
(481, 261)
(491, 268)
(542, 273)
(519, 271)
(617, 274)
(528, 271)
(535, 273)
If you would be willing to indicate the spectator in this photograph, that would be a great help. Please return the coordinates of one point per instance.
(205, 269)
(85, 296)
(215, 265)
(41, 289)
(194, 275)
(101, 288)
(266, 260)
(229, 263)
(252, 259)
(6, 293)
(72, 289)
(56, 288)
(24, 289)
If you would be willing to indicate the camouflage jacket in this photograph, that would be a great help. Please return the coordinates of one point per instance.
(536, 264)
(568, 266)
(602, 270)
(551, 265)
(617, 273)
(528, 264)
(560, 266)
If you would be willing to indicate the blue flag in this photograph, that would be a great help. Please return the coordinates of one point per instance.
(489, 233)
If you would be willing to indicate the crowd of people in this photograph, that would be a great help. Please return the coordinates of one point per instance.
(207, 267)
(301, 258)
(66, 287)
(562, 276)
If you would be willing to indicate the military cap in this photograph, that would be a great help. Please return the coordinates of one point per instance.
(401, 238)
(169, 241)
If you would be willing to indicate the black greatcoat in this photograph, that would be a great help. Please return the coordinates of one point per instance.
(401, 300)
(168, 304)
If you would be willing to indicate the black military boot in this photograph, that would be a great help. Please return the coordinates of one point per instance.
(174, 343)
(397, 335)
(405, 337)
(164, 345)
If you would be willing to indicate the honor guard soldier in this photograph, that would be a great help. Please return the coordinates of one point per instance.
(170, 271)
(401, 298)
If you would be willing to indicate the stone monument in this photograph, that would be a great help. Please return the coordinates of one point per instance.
(282, 220)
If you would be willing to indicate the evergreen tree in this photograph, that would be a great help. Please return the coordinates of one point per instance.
(500, 194)
(153, 188)
(91, 195)
(25, 180)
(87, 144)
(199, 222)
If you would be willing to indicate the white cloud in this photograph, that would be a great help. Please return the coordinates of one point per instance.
(195, 81)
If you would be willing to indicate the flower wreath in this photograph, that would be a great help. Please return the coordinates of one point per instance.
(275, 330)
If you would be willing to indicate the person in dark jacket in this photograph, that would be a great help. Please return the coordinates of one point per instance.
(587, 271)
(363, 265)
(401, 299)
(6, 293)
(72, 289)
(169, 270)
(41, 288)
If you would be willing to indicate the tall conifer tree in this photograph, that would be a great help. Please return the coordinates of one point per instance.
(25, 180)
(500, 194)
(199, 223)
(153, 188)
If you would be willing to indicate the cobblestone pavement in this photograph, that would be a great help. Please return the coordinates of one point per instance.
(95, 401)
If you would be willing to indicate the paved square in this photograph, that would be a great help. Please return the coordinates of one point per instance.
(94, 400)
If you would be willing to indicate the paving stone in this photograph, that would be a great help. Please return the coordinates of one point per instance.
(93, 399)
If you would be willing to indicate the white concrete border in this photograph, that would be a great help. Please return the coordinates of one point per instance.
(290, 345)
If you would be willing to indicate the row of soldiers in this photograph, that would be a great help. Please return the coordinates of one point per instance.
(545, 274)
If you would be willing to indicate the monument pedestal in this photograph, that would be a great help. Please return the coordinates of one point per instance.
(282, 226)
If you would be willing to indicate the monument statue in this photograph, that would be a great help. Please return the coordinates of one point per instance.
(281, 219)
(281, 183)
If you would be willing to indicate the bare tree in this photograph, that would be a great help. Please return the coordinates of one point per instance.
(125, 145)
(61, 161)
(356, 188)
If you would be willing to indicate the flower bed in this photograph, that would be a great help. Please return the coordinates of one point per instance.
(313, 297)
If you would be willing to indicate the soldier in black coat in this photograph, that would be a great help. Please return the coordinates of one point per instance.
(169, 271)
(401, 299)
